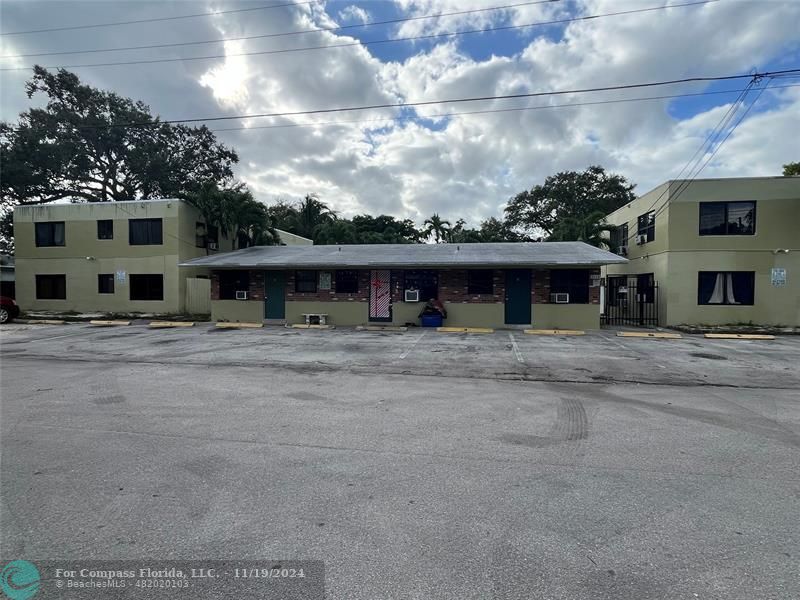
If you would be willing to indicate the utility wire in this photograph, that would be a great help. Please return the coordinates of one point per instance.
(370, 42)
(685, 184)
(153, 20)
(707, 143)
(447, 101)
(490, 111)
(286, 33)
(711, 140)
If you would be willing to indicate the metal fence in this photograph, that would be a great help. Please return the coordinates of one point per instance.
(628, 302)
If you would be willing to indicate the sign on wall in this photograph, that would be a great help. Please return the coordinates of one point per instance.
(121, 275)
(325, 280)
(594, 280)
(778, 276)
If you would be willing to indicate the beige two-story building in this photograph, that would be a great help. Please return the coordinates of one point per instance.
(116, 257)
(709, 251)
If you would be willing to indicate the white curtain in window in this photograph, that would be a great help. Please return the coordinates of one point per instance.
(718, 295)
(731, 299)
(58, 234)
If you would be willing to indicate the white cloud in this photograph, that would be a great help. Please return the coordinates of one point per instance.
(353, 13)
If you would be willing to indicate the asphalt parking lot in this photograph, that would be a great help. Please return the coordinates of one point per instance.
(415, 464)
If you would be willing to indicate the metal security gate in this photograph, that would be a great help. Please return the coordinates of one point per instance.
(380, 296)
(631, 301)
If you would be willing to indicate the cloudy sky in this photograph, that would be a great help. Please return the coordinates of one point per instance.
(413, 162)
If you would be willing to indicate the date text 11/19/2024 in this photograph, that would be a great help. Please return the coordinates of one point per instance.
(193, 573)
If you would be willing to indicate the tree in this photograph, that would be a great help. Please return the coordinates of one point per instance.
(569, 194)
(385, 229)
(82, 145)
(340, 231)
(246, 219)
(590, 229)
(437, 227)
(236, 213)
(283, 214)
(312, 213)
(495, 230)
(791, 169)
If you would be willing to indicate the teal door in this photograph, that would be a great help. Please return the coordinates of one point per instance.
(518, 297)
(274, 289)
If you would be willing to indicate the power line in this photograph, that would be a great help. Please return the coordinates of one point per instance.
(685, 184)
(448, 101)
(285, 33)
(492, 111)
(153, 20)
(712, 138)
(370, 42)
(707, 143)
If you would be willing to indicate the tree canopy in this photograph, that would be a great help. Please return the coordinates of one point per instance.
(236, 213)
(567, 195)
(82, 146)
(790, 169)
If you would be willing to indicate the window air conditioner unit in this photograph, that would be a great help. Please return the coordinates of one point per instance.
(559, 298)
(212, 245)
(241, 295)
(412, 296)
(641, 239)
(622, 251)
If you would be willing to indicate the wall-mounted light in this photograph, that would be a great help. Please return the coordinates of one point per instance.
(781, 251)
(90, 258)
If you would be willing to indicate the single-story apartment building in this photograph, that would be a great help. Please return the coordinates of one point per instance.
(545, 284)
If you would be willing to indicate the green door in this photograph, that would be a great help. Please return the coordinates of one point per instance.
(518, 297)
(274, 289)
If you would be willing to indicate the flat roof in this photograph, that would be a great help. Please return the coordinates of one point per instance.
(522, 254)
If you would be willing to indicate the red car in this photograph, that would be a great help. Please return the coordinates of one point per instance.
(8, 309)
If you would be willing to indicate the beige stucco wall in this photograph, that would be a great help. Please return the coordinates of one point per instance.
(343, 313)
(566, 316)
(772, 305)
(83, 256)
(237, 311)
(291, 239)
(679, 252)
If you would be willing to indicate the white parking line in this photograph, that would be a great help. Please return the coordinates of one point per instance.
(413, 344)
(515, 347)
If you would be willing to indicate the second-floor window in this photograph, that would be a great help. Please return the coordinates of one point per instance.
(105, 229)
(144, 232)
(50, 233)
(619, 237)
(647, 226)
(727, 218)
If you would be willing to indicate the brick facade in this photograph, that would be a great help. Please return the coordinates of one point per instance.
(540, 290)
(452, 288)
(328, 295)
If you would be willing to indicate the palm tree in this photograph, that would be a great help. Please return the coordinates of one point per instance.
(311, 214)
(437, 227)
(235, 212)
(590, 229)
(245, 219)
(208, 199)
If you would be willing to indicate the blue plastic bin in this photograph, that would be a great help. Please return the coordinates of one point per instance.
(432, 320)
